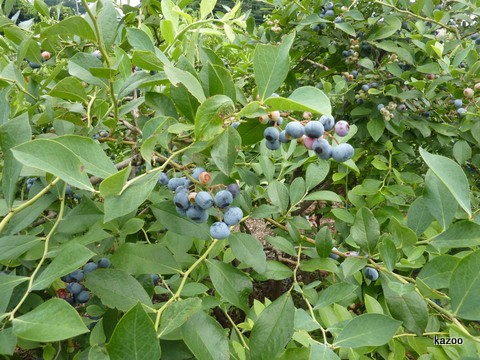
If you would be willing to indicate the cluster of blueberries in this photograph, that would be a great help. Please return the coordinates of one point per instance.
(74, 286)
(458, 103)
(196, 206)
(312, 135)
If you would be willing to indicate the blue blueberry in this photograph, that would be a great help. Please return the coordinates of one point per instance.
(365, 88)
(155, 278)
(219, 230)
(82, 297)
(343, 152)
(74, 288)
(380, 106)
(354, 73)
(458, 103)
(173, 183)
(235, 124)
(272, 145)
(181, 200)
(329, 5)
(181, 211)
(196, 172)
(77, 275)
(271, 134)
(474, 36)
(322, 148)
(373, 85)
(33, 65)
(461, 111)
(197, 214)
(314, 129)
(204, 200)
(223, 198)
(295, 130)
(282, 137)
(329, 13)
(234, 189)
(327, 121)
(103, 263)
(66, 278)
(68, 191)
(371, 273)
(233, 216)
(89, 267)
(163, 179)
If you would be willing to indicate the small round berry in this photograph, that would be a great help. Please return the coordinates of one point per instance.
(341, 128)
(308, 142)
(175, 182)
(274, 115)
(461, 111)
(219, 230)
(295, 129)
(223, 198)
(458, 103)
(233, 216)
(380, 106)
(197, 214)
(314, 129)
(264, 119)
(282, 137)
(204, 178)
(204, 200)
(181, 200)
(46, 55)
(371, 273)
(163, 179)
(322, 148)
(327, 121)
(89, 267)
(468, 92)
(82, 297)
(343, 152)
(365, 88)
(271, 134)
(103, 263)
(234, 189)
(77, 275)
(235, 124)
(272, 145)
(196, 172)
(74, 288)
(97, 54)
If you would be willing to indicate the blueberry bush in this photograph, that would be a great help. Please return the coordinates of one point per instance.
(184, 180)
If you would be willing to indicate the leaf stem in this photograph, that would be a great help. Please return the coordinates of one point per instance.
(11, 314)
(182, 283)
(26, 204)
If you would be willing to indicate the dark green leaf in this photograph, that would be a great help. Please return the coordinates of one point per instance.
(73, 25)
(117, 289)
(273, 329)
(176, 314)
(205, 338)
(55, 158)
(210, 116)
(334, 293)
(365, 230)
(270, 65)
(232, 284)
(465, 287)
(134, 337)
(54, 320)
(248, 250)
(225, 150)
(368, 330)
(324, 242)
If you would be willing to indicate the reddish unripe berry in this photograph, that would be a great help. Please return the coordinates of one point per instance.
(468, 92)
(204, 178)
(192, 196)
(274, 115)
(46, 55)
(341, 128)
(308, 142)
